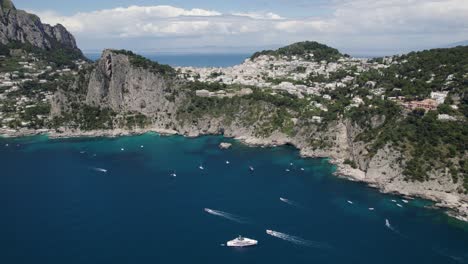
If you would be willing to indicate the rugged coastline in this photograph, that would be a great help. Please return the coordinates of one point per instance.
(445, 201)
(397, 123)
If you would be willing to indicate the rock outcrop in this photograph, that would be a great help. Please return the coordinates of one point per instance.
(117, 84)
(22, 27)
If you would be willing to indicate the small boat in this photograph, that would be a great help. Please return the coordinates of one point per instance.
(242, 242)
(350, 202)
(6, 145)
(302, 169)
(371, 209)
(251, 168)
(142, 146)
(288, 170)
(101, 170)
(122, 149)
(405, 201)
(387, 223)
(270, 232)
(399, 205)
(201, 167)
(394, 201)
(291, 164)
(174, 175)
(227, 162)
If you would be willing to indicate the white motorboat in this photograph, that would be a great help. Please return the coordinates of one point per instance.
(242, 242)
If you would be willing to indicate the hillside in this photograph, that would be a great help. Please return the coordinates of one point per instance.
(310, 50)
(20, 30)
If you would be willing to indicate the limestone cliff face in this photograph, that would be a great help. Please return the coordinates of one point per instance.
(20, 26)
(118, 84)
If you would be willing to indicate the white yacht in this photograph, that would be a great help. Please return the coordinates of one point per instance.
(242, 242)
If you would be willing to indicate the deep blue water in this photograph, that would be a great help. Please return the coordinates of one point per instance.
(56, 207)
(194, 60)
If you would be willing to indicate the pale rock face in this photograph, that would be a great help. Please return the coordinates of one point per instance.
(117, 84)
(18, 25)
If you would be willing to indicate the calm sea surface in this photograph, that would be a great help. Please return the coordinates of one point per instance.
(195, 60)
(115, 201)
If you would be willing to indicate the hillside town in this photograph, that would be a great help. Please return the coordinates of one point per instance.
(27, 85)
(302, 77)
(291, 74)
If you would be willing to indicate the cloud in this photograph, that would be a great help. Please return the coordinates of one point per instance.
(353, 23)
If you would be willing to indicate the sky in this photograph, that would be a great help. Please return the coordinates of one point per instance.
(357, 27)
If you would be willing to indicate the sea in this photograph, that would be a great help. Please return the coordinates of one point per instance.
(190, 59)
(145, 199)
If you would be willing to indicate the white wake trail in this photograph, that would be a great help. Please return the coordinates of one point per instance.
(290, 202)
(298, 240)
(100, 170)
(232, 217)
(392, 228)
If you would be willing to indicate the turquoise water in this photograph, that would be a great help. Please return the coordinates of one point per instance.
(194, 60)
(58, 205)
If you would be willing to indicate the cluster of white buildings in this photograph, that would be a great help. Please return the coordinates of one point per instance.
(27, 69)
(291, 74)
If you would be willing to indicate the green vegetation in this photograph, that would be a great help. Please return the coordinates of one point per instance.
(303, 49)
(136, 120)
(58, 55)
(428, 144)
(7, 4)
(142, 62)
(351, 163)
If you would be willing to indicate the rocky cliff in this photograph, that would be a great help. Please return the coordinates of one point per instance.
(123, 87)
(22, 27)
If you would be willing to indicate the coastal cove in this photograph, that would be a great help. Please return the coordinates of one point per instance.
(89, 198)
(451, 206)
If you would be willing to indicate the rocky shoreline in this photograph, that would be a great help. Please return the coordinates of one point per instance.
(452, 204)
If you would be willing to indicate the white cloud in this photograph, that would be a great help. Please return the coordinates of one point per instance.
(355, 23)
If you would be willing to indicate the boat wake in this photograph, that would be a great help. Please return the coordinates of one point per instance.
(392, 228)
(290, 202)
(228, 216)
(100, 170)
(298, 240)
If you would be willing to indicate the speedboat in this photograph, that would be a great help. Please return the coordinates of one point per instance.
(101, 170)
(242, 242)
(270, 232)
